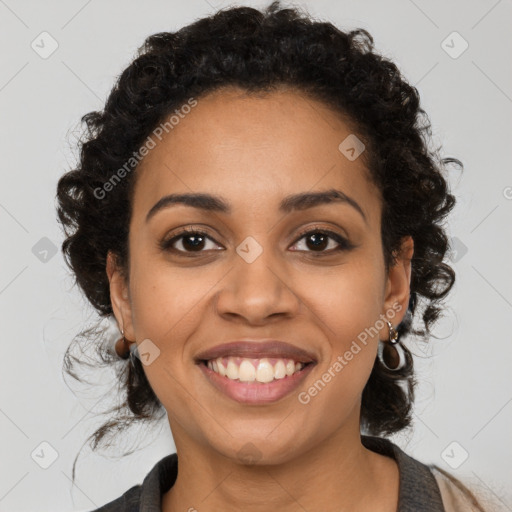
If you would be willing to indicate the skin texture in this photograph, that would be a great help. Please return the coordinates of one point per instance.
(254, 151)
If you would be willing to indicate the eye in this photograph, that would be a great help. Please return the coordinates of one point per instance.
(193, 240)
(190, 239)
(320, 239)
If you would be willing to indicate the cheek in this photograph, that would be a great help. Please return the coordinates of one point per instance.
(348, 309)
(166, 301)
(350, 300)
(166, 308)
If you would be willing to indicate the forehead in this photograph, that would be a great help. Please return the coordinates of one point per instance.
(253, 149)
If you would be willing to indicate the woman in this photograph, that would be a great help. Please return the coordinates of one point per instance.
(257, 207)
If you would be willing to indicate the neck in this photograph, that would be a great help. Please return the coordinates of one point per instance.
(339, 470)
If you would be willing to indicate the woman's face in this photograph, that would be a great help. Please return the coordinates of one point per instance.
(255, 276)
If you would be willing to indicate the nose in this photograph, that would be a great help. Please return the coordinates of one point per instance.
(257, 291)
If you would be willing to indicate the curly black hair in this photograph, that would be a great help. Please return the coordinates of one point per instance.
(260, 52)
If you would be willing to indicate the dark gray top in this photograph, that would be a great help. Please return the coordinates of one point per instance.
(419, 491)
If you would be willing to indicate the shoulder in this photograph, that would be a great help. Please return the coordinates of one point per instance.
(146, 496)
(128, 502)
(427, 487)
(457, 496)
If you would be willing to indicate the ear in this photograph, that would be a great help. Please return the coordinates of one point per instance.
(119, 297)
(398, 282)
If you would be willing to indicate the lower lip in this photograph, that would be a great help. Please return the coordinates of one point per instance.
(256, 392)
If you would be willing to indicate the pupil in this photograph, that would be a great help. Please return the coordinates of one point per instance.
(322, 242)
(198, 238)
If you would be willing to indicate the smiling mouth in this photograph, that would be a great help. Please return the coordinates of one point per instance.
(255, 370)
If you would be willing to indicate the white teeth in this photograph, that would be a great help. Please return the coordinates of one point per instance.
(250, 370)
(232, 370)
(265, 371)
(279, 370)
(222, 368)
(246, 372)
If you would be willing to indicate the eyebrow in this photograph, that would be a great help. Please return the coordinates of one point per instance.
(212, 203)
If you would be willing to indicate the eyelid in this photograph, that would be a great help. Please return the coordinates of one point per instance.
(318, 227)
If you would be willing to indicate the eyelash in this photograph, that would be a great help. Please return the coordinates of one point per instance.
(344, 244)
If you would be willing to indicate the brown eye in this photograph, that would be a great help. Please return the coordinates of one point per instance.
(187, 241)
(193, 242)
(320, 241)
(317, 240)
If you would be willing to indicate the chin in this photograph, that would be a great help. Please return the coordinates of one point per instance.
(258, 449)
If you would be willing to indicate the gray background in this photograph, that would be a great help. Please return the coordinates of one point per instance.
(464, 398)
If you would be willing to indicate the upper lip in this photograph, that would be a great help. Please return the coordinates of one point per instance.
(257, 349)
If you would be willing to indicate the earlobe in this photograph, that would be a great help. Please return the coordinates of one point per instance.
(119, 296)
(399, 280)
